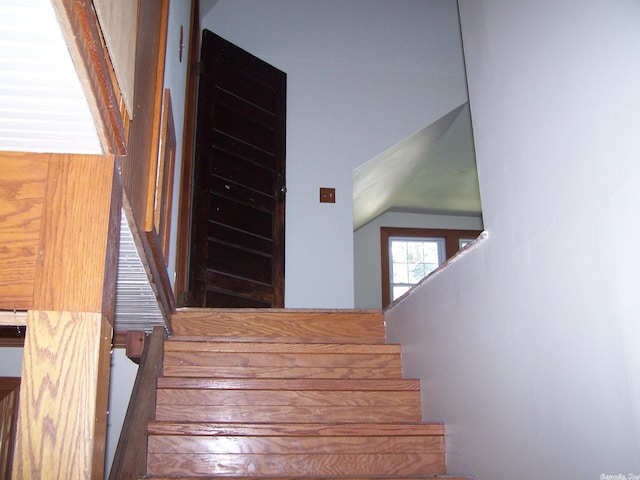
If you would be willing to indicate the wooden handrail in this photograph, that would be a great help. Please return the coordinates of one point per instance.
(130, 459)
(9, 393)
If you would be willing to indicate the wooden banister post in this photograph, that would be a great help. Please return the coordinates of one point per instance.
(65, 372)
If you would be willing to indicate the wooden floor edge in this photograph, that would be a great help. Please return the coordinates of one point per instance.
(358, 311)
(404, 384)
(296, 429)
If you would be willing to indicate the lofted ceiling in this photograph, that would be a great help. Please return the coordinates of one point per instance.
(432, 171)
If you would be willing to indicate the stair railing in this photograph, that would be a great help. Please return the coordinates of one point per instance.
(9, 393)
(130, 459)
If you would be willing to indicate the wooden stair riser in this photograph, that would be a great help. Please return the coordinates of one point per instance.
(275, 414)
(289, 398)
(344, 360)
(304, 384)
(174, 345)
(330, 465)
(263, 326)
(294, 445)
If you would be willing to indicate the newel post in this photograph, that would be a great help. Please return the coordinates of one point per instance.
(65, 372)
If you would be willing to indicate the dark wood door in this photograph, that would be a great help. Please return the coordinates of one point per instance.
(237, 228)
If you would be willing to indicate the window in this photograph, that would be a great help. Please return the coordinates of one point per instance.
(410, 254)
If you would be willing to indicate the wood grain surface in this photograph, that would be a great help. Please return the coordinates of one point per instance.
(22, 190)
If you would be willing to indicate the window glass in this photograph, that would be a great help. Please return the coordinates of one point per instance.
(412, 259)
(410, 254)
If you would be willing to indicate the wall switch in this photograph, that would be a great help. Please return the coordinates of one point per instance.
(327, 195)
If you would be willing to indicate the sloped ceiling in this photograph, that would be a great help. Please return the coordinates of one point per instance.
(432, 171)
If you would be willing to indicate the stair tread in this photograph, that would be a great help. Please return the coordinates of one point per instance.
(278, 413)
(281, 324)
(377, 340)
(176, 345)
(389, 399)
(282, 359)
(194, 464)
(280, 372)
(300, 445)
(296, 429)
(288, 384)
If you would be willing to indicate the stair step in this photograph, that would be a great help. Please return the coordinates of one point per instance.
(303, 384)
(275, 325)
(291, 465)
(174, 345)
(282, 372)
(279, 413)
(257, 394)
(287, 445)
(326, 398)
(296, 429)
(282, 365)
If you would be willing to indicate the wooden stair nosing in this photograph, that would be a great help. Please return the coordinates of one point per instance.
(296, 429)
(287, 384)
(328, 373)
(271, 313)
(173, 345)
(360, 340)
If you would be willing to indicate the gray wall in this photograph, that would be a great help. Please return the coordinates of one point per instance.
(528, 346)
(362, 76)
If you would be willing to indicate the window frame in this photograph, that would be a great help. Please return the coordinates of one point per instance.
(451, 247)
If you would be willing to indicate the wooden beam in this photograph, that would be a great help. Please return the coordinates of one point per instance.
(62, 416)
(22, 189)
(65, 371)
(9, 391)
(79, 237)
(135, 345)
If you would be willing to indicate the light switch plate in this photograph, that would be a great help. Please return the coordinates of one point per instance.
(327, 195)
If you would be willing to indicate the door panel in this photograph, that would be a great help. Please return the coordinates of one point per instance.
(237, 231)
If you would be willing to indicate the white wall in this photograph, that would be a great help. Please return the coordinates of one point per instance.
(121, 380)
(528, 346)
(362, 76)
(366, 246)
(175, 78)
(11, 364)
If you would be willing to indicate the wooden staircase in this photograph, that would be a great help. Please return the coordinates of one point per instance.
(288, 394)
